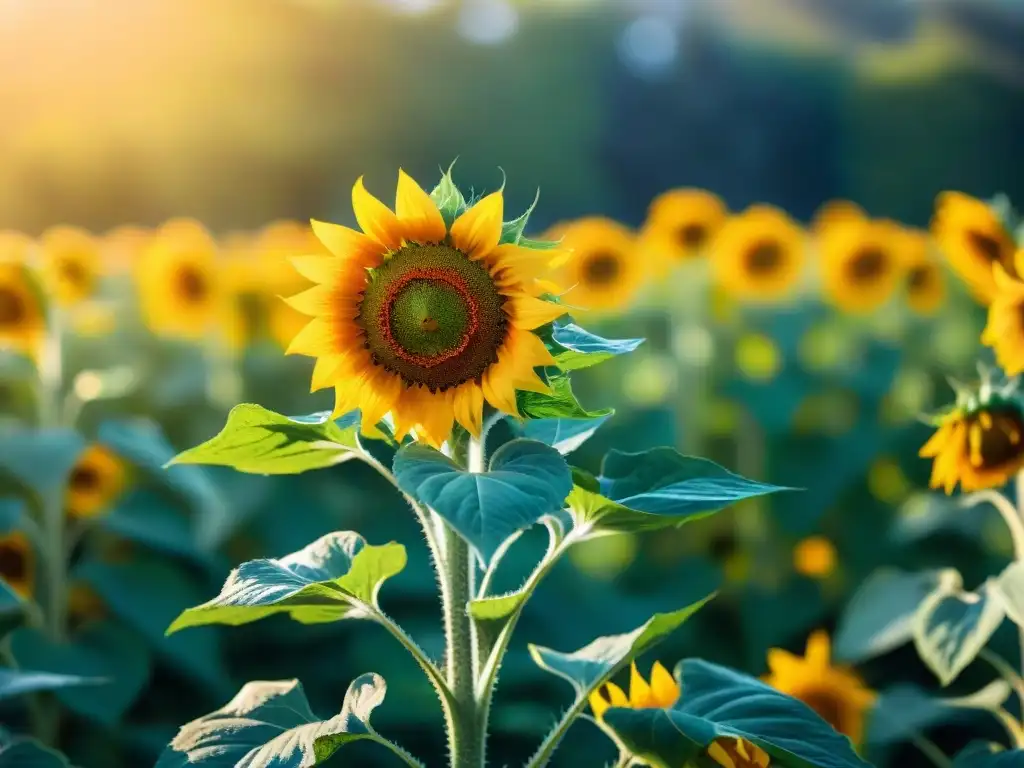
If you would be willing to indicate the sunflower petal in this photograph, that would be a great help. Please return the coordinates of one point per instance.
(469, 407)
(375, 219)
(529, 349)
(640, 694)
(598, 703)
(313, 301)
(499, 388)
(420, 219)
(318, 269)
(616, 695)
(528, 313)
(341, 241)
(379, 394)
(664, 688)
(818, 651)
(325, 371)
(315, 339)
(477, 231)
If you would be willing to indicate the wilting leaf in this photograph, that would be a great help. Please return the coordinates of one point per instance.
(576, 348)
(15, 682)
(564, 435)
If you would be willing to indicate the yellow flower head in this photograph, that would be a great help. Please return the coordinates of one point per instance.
(242, 280)
(604, 272)
(421, 320)
(661, 693)
(835, 212)
(179, 293)
(973, 239)
(733, 752)
(22, 316)
(1004, 331)
(861, 263)
(759, 254)
(96, 481)
(17, 563)
(979, 442)
(814, 557)
(925, 282)
(836, 694)
(71, 264)
(274, 247)
(681, 222)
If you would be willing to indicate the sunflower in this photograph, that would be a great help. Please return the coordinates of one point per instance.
(96, 481)
(243, 282)
(179, 294)
(836, 694)
(978, 442)
(17, 563)
(661, 693)
(681, 222)
(273, 248)
(421, 319)
(70, 264)
(814, 557)
(759, 254)
(121, 248)
(861, 263)
(974, 239)
(734, 752)
(835, 212)
(1004, 331)
(603, 273)
(22, 316)
(925, 282)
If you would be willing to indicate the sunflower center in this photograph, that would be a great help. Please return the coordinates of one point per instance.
(13, 564)
(827, 706)
(73, 272)
(432, 317)
(986, 245)
(764, 257)
(692, 235)
(12, 307)
(919, 278)
(192, 285)
(867, 265)
(84, 478)
(601, 268)
(995, 438)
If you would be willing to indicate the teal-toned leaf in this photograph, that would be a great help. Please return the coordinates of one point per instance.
(904, 711)
(111, 662)
(952, 625)
(15, 682)
(12, 515)
(23, 752)
(560, 403)
(40, 460)
(657, 488)
(262, 442)
(512, 231)
(9, 599)
(564, 435)
(271, 725)
(719, 702)
(576, 348)
(880, 616)
(448, 199)
(979, 754)
(525, 481)
(152, 519)
(1008, 587)
(337, 576)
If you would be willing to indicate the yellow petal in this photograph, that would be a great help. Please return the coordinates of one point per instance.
(319, 269)
(532, 383)
(315, 340)
(640, 695)
(499, 389)
(616, 695)
(379, 395)
(375, 219)
(326, 370)
(315, 301)
(818, 651)
(598, 704)
(663, 686)
(421, 221)
(469, 407)
(528, 313)
(720, 756)
(477, 231)
(343, 242)
(528, 350)
(783, 665)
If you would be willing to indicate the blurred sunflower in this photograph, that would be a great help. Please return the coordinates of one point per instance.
(814, 557)
(22, 316)
(734, 752)
(662, 692)
(70, 264)
(1004, 331)
(179, 294)
(121, 247)
(274, 247)
(759, 254)
(421, 320)
(97, 479)
(978, 442)
(973, 239)
(17, 563)
(681, 222)
(925, 282)
(861, 263)
(84, 604)
(836, 694)
(835, 212)
(243, 283)
(603, 273)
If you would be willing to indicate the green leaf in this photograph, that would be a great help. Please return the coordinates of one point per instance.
(271, 725)
(880, 616)
(335, 577)
(657, 488)
(979, 754)
(15, 682)
(952, 625)
(448, 198)
(525, 481)
(575, 348)
(152, 519)
(111, 663)
(564, 435)
(40, 460)
(719, 702)
(262, 442)
(1009, 588)
(512, 231)
(9, 599)
(560, 404)
(904, 711)
(23, 752)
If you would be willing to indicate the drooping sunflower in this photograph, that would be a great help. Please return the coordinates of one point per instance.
(974, 239)
(861, 263)
(759, 254)
(925, 282)
(979, 442)
(17, 563)
(662, 692)
(836, 694)
(681, 222)
(97, 479)
(179, 294)
(22, 313)
(422, 319)
(603, 272)
(70, 264)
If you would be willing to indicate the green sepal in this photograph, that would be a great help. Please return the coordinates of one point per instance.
(448, 199)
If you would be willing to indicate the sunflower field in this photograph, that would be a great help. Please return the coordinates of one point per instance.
(511, 382)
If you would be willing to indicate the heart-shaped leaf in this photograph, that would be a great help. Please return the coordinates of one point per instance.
(880, 615)
(576, 348)
(979, 754)
(23, 752)
(40, 460)
(526, 481)
(657, 488)
(719, 702)
(952, 625)
(262, 442)
(15, 682)
(100, 653)
(559, 403)
(271, 725)
(151, 519)
(337, 576)
(564, 435)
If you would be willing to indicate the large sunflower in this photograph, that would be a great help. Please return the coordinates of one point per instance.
(96, 481)
(420, 319)
(974, 239)
(71, 264)
(603, 273)
(925, 282)
(861, 263)
(22, 316)
(17, 563)
(681, 222)
(759, 254)
(179, 294)
(837, 694)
